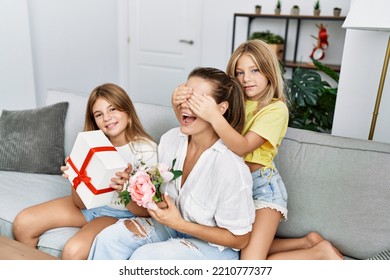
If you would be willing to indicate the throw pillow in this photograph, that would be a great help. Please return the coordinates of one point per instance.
(32, 141)
(75, 116)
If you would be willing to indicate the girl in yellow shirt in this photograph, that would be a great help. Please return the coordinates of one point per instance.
(257, 68)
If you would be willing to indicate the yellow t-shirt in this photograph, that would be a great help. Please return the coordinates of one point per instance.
(270, 123)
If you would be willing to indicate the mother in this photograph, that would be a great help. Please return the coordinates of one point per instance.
(209, 210)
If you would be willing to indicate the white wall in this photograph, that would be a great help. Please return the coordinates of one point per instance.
(17, 89)
(362, 63)
(75, 44)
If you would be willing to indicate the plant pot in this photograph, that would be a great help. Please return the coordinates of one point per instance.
(277, 11)
(336, 12)
(278, 49)
(294, 11)
(257, 10)
(317, 12)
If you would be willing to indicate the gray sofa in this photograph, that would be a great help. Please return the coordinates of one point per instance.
(339, 187)
(19, 190)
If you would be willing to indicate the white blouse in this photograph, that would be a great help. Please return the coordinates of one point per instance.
(217, 192)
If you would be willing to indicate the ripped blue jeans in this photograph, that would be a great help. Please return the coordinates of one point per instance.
(153, 241)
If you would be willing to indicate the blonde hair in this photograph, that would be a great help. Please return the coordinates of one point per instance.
(118, 98)
(268, 65)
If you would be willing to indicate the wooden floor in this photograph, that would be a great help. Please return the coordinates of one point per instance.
(13, 250)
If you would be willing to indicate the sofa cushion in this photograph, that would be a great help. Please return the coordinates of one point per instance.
(32, 141)
(21, 190)
(156, 119)
(337, 186)
(74, 122)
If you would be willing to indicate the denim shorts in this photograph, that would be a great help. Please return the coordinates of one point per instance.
(269, 190)
(106, 211)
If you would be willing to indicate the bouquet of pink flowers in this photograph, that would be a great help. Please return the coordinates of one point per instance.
(145, 182)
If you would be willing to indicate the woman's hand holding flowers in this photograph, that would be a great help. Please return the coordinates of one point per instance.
(169, 215)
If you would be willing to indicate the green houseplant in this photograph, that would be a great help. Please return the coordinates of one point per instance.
(312, 99)
(275, 41)
(268, 37)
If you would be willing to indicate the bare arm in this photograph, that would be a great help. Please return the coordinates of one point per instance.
(171, 217)
(137, 210)
(205, 107)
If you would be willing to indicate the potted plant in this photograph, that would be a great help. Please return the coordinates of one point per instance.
(312, 99)
(317, 9)
(295, 10)
(258, 9)
(278, 7)
(275, 41)
(336, 11)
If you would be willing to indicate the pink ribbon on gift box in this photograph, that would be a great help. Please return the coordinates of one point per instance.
(82, 173)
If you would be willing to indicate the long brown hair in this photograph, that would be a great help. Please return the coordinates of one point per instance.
(268, 65)
(118, 98)
(226, 89)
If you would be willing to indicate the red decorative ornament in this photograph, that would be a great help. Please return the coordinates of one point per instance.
(318, 52)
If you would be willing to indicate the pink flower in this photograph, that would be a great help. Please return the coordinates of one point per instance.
(142, 189)
(165, 171)
(144, 185)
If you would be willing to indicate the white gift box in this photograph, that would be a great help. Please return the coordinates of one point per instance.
(92, 164)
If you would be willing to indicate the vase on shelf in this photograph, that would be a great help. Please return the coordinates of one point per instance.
(336, 12)
(278, 7)
(295, 10)
(317, 8)
(257, 9)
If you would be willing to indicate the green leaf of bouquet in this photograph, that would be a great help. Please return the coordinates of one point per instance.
(124, 197)
(124, 193)
(176, 174)
(173, 162)
(157, 198)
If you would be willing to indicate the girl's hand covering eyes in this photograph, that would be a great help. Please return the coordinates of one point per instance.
(204, 106)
